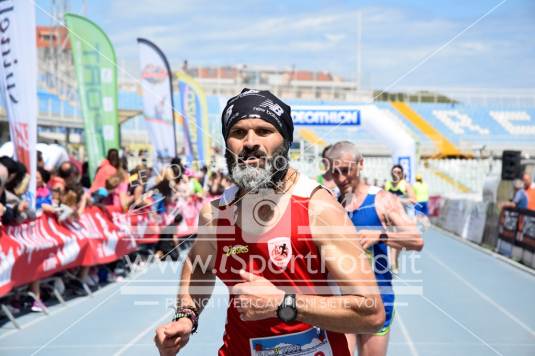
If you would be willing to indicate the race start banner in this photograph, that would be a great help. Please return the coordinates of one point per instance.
(96, 74)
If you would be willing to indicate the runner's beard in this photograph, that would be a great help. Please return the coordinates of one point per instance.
(252, 178)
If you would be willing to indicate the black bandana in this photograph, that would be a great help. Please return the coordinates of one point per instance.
(251, 103)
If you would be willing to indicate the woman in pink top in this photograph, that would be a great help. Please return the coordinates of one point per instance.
(107, 169)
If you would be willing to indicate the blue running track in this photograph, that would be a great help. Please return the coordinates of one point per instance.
(456, 300)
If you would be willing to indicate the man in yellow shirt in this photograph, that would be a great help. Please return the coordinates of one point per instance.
(421, 191)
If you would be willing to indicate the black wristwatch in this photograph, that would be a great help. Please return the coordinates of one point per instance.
(383, 237)
(287, 311)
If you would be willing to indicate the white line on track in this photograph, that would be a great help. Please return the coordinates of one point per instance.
(406, 335)
(84, 316)
(483, 295)
(486, 251)
(143, 333)
(74, 346)
(68, 306)
(461, 325)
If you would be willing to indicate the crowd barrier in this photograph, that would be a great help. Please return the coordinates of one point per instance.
(516, 235)
(464, 218)
(511, 232)
(40, 248)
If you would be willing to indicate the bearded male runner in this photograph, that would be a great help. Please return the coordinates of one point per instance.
(276, 239)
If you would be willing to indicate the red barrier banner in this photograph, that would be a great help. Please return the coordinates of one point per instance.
(37, 249)
(40, 248)
(189, 210)
(143, 226)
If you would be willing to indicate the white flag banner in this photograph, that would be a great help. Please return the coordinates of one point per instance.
(18, 80)
(157, 100)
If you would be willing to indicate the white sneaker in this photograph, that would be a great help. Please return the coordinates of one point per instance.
(37, 306)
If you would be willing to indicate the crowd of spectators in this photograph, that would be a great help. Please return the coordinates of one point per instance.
(67, 190)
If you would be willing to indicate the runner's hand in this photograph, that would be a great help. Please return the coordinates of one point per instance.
(172, 337)
(368, 238)
(256, 298)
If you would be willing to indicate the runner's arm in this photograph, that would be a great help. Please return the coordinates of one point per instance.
(359, 309)
(406, 234)
(197, 280)
(196, 286)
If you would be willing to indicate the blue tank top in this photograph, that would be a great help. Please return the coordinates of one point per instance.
(366, 217)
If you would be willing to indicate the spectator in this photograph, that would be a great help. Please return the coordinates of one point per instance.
(85, 180)
(42, 193)
(68, 201)
(226, 182)
(7, 213)
(68, 173)
(171, 180)
(202, 176)
(520, 199)
(13, 209)
(57, 189)
(177, 170)
(194, 186)
(529, 189)
(40, 160)
(10, 165)
(215, 186)
(16, 172)
(107, 168)
(73, 198)
(124, 162)
(15, 187)
(136, 190)
(117, 190)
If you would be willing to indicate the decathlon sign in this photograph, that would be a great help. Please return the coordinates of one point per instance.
(325, 116)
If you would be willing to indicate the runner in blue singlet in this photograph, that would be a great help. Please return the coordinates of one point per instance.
(371, 210)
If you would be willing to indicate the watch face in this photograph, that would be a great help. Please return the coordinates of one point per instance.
(287, 314)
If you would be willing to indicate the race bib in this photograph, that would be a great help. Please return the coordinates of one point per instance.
(311, 342)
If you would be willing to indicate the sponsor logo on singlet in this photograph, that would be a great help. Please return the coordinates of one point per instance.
(280, 251)
(235, 250)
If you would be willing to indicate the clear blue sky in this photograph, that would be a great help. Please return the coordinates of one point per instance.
(497, 52)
